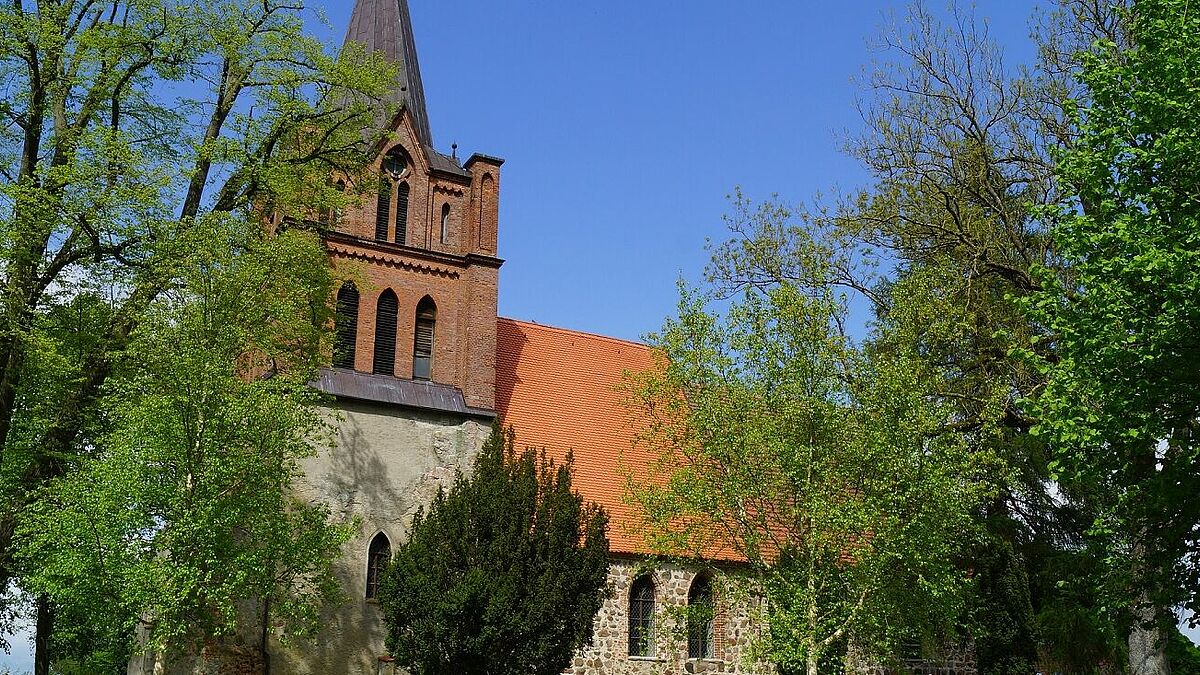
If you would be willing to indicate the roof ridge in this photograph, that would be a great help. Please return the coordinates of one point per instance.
(572, 331)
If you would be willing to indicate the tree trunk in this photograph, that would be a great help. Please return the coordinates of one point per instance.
(41, 639)
(1147, 644)
(812, 664)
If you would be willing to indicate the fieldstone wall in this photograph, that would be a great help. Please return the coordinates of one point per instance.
(955, 661)
(733, 628)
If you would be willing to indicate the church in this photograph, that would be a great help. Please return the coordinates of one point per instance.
(423, 366)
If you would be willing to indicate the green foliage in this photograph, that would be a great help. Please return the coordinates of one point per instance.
(1120, 407)
(782, 444)
(146, 145)
(1003, 613)
(185, 509)
(1183, 655)
(503, 575)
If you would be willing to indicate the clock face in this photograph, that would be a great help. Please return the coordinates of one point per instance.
(393, 164)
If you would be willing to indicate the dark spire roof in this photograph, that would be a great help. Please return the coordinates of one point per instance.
(386, 26)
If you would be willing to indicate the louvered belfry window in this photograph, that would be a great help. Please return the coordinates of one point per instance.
(385, 334)
(402, 214)
(641, 617)
(345, 323)
(423, 339)
(383, 212)
(378, 557)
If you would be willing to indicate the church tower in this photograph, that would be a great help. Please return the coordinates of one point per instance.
(413, 378)
(417, 314)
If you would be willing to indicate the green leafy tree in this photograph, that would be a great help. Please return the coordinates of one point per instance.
(1120, 407)
(184, 513)
(133, 133)
(942, 247)
(818, 463)
(503, 575)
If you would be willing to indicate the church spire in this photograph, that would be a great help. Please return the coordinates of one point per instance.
(386, 26)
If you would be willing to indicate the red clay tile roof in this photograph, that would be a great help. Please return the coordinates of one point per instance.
(558, 389)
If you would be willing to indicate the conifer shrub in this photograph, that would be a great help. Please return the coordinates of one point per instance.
(503, 574)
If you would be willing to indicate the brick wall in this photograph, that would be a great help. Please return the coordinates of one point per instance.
(461, 275)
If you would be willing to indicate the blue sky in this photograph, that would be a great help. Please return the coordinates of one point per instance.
(626, 123)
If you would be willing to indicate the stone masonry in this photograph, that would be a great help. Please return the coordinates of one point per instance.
(608, 653)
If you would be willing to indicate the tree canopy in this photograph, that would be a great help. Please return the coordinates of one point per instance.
(147, 150)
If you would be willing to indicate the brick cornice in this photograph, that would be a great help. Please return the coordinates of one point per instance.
(408, 257)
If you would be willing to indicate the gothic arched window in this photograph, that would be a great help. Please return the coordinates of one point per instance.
(402, 214)
(345, 322)
(383, 209)
(641, 617)
(423, 339)
(445, 223)
(700, 619)
(385, 334)
(391, 170)
(378, 557)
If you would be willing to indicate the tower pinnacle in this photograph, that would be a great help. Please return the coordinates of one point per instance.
(386, 26)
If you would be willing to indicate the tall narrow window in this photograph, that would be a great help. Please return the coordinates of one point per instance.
(345, 322)
(700, 619)
(336, 212)
(402, 214)
(378, 557)
(384, 210)
(445, 223)
(641, 617)
(423, 339)
(385, 334)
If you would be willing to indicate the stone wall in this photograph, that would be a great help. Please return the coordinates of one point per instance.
(955, 661)
(608, 653)
(388, 463)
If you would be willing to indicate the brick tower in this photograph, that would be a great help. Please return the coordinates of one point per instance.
(413, 377)
(420, 254)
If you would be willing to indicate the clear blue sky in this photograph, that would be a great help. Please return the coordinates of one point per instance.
(626, 123)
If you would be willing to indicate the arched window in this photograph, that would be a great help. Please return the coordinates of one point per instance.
(423, 339)
(641, 617)
(487, 200)
(700, 619)
(445, 223)
(402, 214)
(345, 322)
(384, 209)
(378, 557)
(385, 334)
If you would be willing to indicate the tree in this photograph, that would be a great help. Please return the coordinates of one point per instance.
(1120, 406)
(502, 575)
(942, 247)
(132, 133)
(818, 463)
(185, 510)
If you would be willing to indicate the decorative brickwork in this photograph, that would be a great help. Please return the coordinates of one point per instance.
(460, 274)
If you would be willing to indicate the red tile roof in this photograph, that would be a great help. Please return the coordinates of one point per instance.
(559, 390)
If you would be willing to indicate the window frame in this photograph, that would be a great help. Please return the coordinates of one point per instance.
(378, 558)
(642, 610)
(345, 326)
(701, 629)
